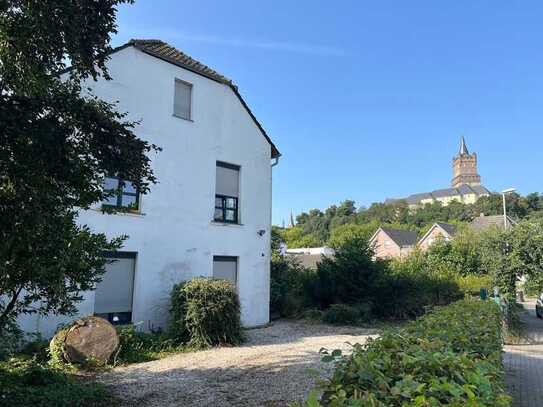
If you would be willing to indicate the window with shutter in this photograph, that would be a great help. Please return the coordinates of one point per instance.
(227, 193)
(182, 102)
(226, 268)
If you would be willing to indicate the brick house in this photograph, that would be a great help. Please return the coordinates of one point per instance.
(390, 243)
(438, 230)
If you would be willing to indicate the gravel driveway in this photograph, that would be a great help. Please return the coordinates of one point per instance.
(270, 369)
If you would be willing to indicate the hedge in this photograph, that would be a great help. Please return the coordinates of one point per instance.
(451, 356)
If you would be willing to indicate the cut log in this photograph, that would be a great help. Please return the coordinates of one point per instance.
(87, 340)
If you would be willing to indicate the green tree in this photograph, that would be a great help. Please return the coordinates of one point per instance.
(349, 277)
(295, 237)
(344, 233)
(56, 147)
(459, 256)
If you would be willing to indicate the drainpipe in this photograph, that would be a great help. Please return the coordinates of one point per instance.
(275, 162)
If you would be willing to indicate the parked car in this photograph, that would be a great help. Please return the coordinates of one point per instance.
(539, 307)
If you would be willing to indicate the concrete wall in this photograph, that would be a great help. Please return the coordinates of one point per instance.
(174, 234)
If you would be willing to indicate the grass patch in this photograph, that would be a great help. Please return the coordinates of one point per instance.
(137, 347)
(28, 382)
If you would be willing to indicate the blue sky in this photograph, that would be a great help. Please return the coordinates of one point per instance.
(368, 100)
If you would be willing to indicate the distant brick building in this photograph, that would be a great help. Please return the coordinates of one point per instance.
(439, 230)
(465, 186)
(389, 243)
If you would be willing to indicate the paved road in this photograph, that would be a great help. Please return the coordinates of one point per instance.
(524, 363)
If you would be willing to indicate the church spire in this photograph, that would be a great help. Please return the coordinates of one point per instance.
(463, 148)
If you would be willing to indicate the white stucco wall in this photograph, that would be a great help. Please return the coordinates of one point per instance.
(174, 236)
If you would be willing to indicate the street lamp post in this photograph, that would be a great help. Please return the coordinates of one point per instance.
(504, 192)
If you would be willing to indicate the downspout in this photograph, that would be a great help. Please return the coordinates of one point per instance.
(275, 162)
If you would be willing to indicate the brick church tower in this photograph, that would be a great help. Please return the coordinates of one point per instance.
(465, 167)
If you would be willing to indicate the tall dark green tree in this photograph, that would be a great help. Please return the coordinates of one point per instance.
(56, 147)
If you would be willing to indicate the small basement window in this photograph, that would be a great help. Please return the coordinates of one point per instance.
(182, 100)
(124, 194)
(226, 268)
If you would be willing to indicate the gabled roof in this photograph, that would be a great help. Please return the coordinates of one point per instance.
(481, 223)
(166, 52)
(448, 229)
(402, 238)
(161, 50)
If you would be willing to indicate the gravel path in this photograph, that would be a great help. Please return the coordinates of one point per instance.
(270, 369)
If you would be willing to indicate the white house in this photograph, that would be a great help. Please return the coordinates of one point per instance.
(210, 213)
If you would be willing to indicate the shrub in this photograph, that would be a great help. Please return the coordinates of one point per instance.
(206, 312)
(27, 383)
(287, 281)
(135, 347)
(347, 278)
(11, 339)
(451, 356)
(312, 314)
(408, 289)
(471, 285)
(340, 314)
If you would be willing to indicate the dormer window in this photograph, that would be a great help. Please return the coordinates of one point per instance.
(124, 194)
(182, 100)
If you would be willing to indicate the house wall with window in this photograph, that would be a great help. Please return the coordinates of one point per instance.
(173, 233)
(384, 247)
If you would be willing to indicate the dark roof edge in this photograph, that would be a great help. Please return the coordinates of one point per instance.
(274, 151)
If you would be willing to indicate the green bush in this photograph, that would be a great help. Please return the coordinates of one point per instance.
(206, 312)
(451, 356)
(340, 314)
(349, 277)
(11, 339)
(312, 314)
(471, 285)
(287, 282)
(27, 383)
(135, 347)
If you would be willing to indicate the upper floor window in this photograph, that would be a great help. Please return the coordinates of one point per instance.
(124, 194)
(227, 193)
(182, 100)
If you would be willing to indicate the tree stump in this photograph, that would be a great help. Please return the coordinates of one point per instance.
(88, 340)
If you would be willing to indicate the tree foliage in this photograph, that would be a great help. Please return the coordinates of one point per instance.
(56, 147)
(333, 225)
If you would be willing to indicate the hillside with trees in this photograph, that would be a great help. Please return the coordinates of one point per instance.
(338, 222)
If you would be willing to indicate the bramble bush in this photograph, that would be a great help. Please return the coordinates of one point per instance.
(206, 312)
(451, 356)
